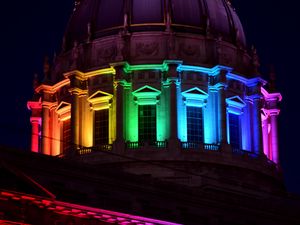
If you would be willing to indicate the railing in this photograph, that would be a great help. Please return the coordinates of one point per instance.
(237, 151)
(99, 148)
(191, 145)
(139, 144)
(212, 147)
(133, 145)
(197, 145)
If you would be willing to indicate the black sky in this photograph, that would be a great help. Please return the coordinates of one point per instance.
(32, 29)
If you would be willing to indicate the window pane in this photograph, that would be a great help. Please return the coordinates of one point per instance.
(186, 12)
(147, 123)
(66, 135)
(107, 17)
(194, 124)
(101, 127)
(234, 130)
(147, 11)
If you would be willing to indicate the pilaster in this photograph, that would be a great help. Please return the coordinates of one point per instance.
(119, 80)
(274, 134)
(36, 122)
(173, 81)
(78, 89)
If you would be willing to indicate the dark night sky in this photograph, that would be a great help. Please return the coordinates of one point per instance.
(32, 29)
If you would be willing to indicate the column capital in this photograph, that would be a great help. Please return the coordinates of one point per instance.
(172, 65)
(255, 97)
(75, 73)
(172, 80)
(173, 62)
(120, 68)
(49, 105)
(32, 105)
(34, 119)
(219, 86)
(273, 112)
(78, 91)
(122, 83)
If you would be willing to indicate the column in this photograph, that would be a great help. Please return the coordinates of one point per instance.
(119, 89)
(119, 82)
(257, 126)
(35, 122)
(87, 122)
(173, 110)
(211, 117)
(75, 107)
(265, 137)
(246, 124)
(172, 79)
(222, 115)
(274, 135)
(46, 139)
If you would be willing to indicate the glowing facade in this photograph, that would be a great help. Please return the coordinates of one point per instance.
(163, 78)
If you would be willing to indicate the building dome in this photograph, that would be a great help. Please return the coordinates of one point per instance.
(106, 17)
(166, 81)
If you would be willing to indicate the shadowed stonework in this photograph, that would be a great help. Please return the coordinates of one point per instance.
(155, 108)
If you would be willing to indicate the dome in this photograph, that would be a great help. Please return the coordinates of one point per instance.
(98, 18)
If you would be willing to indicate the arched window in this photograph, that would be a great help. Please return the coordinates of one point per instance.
(101, 105)
(147, 98)
(66, 135)
(194, 116)
(147, 123)
(192, 121)
(101, 127)
(147, 11)
(234, 130)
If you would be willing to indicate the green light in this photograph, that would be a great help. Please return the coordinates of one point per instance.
(146, 95)
(130, 68)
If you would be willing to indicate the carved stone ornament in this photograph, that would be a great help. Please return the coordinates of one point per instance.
(189, 50)
(107, 54)
(147, 49)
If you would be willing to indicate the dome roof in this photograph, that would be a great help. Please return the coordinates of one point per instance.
(98, 18)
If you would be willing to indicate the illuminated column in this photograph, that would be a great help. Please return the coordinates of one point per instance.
(246, 124)
(119, 93)
(78, 87)
(257, 126)
(75, 117)
(271, 111)
(46, 139)
(35, 123)
(211, 124)
(222, 109)
(86, 122)
(172, 78)
(274, 134)
(84, 139)
(265, 133)
(173, 109)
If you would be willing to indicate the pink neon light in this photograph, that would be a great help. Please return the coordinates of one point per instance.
(269, 125)
(84, 211)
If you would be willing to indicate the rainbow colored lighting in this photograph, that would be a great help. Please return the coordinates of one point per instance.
(130, 68)
(210, 98)
(214, 71)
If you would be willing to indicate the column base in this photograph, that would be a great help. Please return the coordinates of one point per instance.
(174, 146)
(226, 148)
(119, 146)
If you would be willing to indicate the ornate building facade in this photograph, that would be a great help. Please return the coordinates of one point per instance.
(159, 75)
(160, 88)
